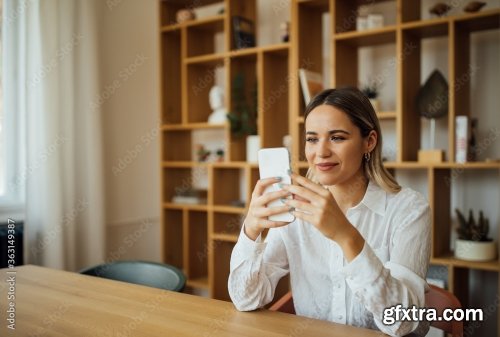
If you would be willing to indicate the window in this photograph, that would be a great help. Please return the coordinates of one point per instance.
(11, 152)
(3, 158)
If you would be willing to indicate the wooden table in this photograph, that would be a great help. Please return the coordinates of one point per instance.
(57, 303)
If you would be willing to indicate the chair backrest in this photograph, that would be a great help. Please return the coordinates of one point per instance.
(152, 274)
(284, 304)
(441, 299)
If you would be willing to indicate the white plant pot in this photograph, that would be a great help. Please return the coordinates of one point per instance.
(253, 147)
(375, 103)
(475, 250)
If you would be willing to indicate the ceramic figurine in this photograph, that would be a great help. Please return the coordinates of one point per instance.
(184, 15)
(474, 6)
(440, 9)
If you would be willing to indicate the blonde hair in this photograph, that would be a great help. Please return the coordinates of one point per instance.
(361, 113)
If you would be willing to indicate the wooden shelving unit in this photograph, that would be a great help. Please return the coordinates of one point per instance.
(199, 238)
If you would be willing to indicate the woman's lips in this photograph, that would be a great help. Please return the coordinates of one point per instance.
(325, 166)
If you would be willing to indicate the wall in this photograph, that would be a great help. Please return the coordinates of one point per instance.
(130, 88)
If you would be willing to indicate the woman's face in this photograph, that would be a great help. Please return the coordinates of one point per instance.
(334, 146)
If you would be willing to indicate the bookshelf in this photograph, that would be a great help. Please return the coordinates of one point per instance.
(199, 238)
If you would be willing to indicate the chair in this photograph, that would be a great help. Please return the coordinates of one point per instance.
(441, 299)
(151, 274)
(436, 297)
(284, 304)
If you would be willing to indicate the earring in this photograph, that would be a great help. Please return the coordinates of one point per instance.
(368, 155)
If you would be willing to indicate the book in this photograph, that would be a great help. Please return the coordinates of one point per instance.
(461, 138)
(311, 83)
(243, 32)
(191, 200)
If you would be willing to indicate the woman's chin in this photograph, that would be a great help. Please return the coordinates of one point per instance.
(326, 179)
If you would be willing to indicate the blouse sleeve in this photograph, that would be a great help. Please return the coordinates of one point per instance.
(401, 280)
(256, 268)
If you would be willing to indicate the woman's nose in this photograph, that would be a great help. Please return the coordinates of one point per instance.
(323, 150)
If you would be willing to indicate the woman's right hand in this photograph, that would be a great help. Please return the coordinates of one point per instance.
(256, 220)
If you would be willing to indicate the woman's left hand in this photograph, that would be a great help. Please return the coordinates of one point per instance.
(316, 205)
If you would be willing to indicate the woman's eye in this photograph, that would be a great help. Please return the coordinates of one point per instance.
(311, 140)
(337, 138)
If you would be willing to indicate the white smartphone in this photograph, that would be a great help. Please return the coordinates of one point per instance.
(275, 162)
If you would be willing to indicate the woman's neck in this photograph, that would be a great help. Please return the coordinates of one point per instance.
(350, 193)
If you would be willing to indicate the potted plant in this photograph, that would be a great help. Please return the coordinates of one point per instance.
(371, 91)
(473, 243)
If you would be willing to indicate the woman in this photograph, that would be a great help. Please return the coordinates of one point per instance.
(359, 243)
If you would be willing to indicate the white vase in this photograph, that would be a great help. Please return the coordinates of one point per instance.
(253, 146)
(475, 250)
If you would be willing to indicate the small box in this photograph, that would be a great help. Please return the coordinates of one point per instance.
(430, 156)
(361, 23)
(375, 21)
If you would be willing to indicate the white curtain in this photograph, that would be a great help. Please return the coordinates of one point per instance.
(51, 81)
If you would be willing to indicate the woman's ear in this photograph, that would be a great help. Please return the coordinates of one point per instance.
(371, 141)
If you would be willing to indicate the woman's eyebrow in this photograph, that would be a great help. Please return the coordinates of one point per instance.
(329, 132)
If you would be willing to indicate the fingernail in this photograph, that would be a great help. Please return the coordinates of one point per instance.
(278, 178)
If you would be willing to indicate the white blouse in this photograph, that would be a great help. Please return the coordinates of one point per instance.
(390, 269)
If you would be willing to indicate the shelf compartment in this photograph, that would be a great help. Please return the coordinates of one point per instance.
(201, 77)
(172, 237)
(169, 9)
(180, 180)
(440, 199)
(346, 13)
(413, 127)
(220, 268)
(170, 85)
(202, 36)
(242, 97)
(227, 223)
(412, 11)
(196, 244)
(233, 179)
(177, 145)
(245, 9)
(273, 97)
